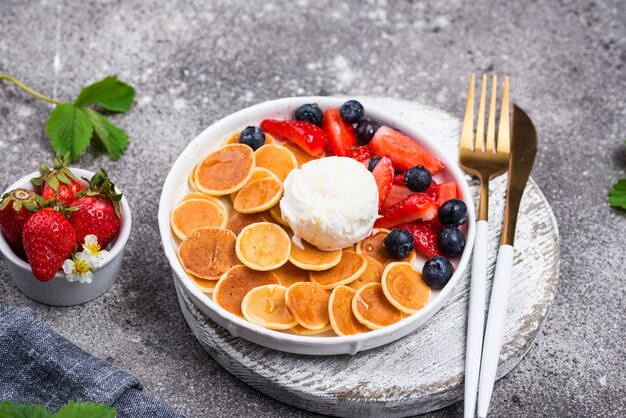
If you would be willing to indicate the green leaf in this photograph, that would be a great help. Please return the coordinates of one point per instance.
(19, 410)
(69, 130)
(63, 178)
(53, 182)
(110, 93)
(85, 410)
(114, 139)
(5, 201)
(617, 195)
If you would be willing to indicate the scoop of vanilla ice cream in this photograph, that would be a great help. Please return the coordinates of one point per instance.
(331, 203)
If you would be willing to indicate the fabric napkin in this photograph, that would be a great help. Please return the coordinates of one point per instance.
(37, 365)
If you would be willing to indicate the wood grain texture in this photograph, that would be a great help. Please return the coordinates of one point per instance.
(423, 371)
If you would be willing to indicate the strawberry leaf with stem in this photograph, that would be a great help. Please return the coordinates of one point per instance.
(71, 126)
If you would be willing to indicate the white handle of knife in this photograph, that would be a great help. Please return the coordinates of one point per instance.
(495, 327)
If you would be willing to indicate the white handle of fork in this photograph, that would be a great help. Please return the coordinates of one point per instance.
(495, 327)
(476, 317)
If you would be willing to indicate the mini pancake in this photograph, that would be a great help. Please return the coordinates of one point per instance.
(302, 157)
(258, 195)
(192, 214)
(208, 252)
(276, 158)
(300, 330)
(351, 266)
(263, 246)
(405, 287)
(206, 286)
(234, 139)
(372, 274)
(372, 309)
(308, 303)
(277, 214)
(342, 318)
(311, 258)
(289, 274)
(257, 173)
(192, 178)
(199, 195)
(265, 306)
(235, 284)
(239, 221)
(374, 247)
(226, 170)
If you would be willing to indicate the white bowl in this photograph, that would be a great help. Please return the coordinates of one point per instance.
(59, 291)
(212, 138)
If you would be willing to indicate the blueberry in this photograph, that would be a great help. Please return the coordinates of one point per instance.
(366, 129)
(437, 272)
(253, 137)
(372, 164)
(352, 111)
(417, 179)
(310, 113)
(399, 243)
(451, 241)
(453, 212)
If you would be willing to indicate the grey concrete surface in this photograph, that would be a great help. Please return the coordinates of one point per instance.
(195, 62)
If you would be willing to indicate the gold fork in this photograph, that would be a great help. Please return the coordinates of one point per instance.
(483, 158)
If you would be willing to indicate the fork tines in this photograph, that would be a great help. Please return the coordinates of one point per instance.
(479, 142)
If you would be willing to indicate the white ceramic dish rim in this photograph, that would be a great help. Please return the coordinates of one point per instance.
(118, 244)
(275, 108)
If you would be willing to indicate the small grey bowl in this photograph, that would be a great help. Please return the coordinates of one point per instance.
(59, 291)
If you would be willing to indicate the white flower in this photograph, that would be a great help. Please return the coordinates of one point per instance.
(91, 249)
(78, 269)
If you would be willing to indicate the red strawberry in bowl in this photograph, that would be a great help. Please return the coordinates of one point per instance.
(425, 237)
(361, 154)
(304, 134)
(49, 239)
(403, 151)
(96, 211)
(16, 207)
(58, 184)
(341, 135)
(383, 174)
(416, 206)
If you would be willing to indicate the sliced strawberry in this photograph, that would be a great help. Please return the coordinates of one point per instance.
(383, 174)
(398, 178)
(396, 194)
(304, 134)
(361, 153)
(403, 151)
(432, 190)
(416, 206)
(341, 136)
(445, 192)
(425, 236)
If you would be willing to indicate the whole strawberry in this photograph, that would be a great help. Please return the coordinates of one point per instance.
(58, 184)
(97, 210)
(49, 239)
(16, 207)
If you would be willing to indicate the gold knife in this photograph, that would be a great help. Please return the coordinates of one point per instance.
(521, 160)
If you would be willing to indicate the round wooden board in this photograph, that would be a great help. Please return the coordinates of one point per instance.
(423, 371)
